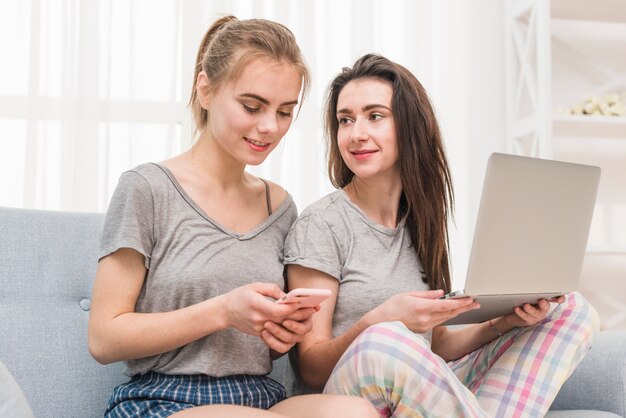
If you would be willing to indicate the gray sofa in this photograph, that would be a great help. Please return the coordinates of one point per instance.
(47, 265)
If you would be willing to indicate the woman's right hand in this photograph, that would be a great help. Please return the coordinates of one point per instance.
(421, 311)
(248, 308)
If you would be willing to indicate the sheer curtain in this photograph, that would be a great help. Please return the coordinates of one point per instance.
(93, 90)
(90, 88)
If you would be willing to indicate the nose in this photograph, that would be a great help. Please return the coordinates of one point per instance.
(268, 124)
(358, 132)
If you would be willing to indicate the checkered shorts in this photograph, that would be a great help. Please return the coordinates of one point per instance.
(160, 395)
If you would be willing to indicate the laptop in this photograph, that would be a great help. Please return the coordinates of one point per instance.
(531, 234)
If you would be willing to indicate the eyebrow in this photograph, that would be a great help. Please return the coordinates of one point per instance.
(265, 101)
(365, 108)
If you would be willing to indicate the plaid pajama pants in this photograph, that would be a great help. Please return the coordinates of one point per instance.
(517, 375)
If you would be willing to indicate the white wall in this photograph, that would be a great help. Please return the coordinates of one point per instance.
(69, 157)
(480, 74)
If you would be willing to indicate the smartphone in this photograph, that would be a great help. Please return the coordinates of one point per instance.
(459, 294)
(306, 298)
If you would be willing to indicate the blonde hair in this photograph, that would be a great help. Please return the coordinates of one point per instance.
(230, 44)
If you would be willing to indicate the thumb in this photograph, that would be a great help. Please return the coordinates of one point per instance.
(427, 294)
(268, 289)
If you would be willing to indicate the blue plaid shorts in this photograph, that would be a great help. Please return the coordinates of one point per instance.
(160, 395)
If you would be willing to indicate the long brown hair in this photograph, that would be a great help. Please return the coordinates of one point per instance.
(230, 44)
(427, 195)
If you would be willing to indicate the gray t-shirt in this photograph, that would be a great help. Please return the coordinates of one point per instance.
(370, 261)
(191, 258)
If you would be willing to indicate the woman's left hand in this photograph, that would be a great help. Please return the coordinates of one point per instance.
(281, 337)
(529, 314)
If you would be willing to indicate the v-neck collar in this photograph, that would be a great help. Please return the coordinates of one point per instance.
(240, 236)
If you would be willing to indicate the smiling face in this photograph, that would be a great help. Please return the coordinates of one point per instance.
(249, 116)
(366, 135)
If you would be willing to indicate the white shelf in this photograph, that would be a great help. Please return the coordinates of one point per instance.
(606, 250)
(557, 53)
(589, 126)
(590, 10)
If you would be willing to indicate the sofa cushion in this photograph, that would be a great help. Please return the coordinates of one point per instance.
(47, 266)
(581, 413)
(599, 382)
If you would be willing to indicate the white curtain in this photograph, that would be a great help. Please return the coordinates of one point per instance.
(90, 88)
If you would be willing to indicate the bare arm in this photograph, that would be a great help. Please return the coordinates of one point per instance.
(451, 344)
(319, 351)
(116, 332)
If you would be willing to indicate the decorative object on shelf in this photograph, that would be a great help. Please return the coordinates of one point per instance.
(613, 104)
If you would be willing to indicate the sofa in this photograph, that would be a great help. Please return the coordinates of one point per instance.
(47, 266)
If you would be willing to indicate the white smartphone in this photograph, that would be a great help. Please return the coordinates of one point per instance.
(305, 297)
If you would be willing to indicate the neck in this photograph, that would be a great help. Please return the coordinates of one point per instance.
(378, 198)
(210, 161)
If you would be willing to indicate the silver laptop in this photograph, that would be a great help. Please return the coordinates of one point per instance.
(531, 234)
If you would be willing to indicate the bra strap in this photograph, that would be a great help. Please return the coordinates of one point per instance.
(268, 198)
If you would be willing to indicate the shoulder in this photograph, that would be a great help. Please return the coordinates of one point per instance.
(325, 215)
(146, 174)
(327, 207)
(142, 183)
(320, 237)
(150, 172)
(278, 195)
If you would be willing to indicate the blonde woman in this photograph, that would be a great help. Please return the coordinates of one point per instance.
(191, 249)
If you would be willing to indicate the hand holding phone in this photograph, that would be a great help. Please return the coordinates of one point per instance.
(305, 297)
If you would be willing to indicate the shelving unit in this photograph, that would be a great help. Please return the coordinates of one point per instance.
(558, 53)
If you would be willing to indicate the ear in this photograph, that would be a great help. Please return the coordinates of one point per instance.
(203, 91)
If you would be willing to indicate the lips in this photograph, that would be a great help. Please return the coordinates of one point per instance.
(257, 145)
(363, 154)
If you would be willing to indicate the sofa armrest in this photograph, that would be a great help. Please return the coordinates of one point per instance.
(599, 382)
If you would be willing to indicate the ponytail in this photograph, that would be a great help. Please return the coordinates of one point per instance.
(200, 115)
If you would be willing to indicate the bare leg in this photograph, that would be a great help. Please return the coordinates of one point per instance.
(305, 406)
(326, 406)
(238, 411)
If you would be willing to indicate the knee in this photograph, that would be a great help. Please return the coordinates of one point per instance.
(388, 343)
(385, 328)
(582, 313)
(362, 408)
(393, 332)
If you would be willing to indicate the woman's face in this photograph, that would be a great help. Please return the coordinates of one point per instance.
(249, 116)
(367, 134)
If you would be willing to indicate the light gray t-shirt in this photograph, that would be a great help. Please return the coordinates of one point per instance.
(190, 258)
(370, 261)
